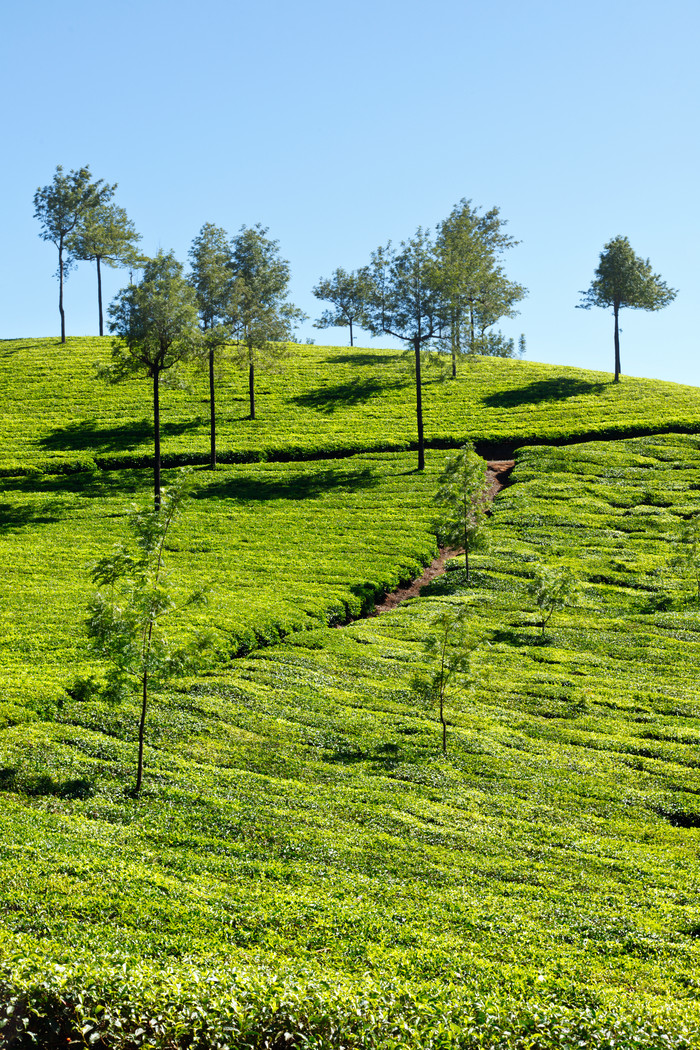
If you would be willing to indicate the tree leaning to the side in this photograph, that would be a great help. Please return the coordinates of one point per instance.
(347, 292)
(462, 498)
(126, 617)
(107, 235)
(155, 322)
(213, 282)
(60, 207)
(623, 279)
(263, 319)
(404, 300)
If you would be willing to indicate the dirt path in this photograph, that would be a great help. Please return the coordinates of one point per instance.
(497, 472)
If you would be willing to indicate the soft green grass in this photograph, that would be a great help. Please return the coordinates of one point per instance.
(304, 860)
(56, 414)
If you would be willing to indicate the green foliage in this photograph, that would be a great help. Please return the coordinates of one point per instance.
(347, 293)
(127, 618)
(687, 544)
(449, 646)
(303, 860)
(552, 589)
(462, 497)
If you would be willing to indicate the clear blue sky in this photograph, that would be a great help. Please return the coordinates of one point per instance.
(341, 126)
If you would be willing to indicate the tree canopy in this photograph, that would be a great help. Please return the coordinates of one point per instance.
(623, 279)
(60, 207)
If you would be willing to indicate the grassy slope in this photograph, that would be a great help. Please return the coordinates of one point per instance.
(304, 858)
(55, 412)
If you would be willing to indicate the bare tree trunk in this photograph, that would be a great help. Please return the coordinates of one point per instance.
(212, 414)
(419, 408)
(444, 723)
(156, 439)
(60, 291)
(142, 730)
(99, 293)
(351, 331)
(251, 389)
(616, 309)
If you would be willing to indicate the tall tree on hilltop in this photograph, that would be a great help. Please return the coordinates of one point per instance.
(107, 235)
(404, 299)
(264, 320)
(60, 207)
(625, 279)
(155, 322)
(347, 292)
(475, 287)
(212, 280)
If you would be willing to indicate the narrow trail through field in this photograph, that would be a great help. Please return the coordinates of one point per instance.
(497, 472)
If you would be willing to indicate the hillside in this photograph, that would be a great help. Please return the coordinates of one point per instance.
(57, 415)
(304, 867)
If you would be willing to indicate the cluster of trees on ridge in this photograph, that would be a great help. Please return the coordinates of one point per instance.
(446, 290)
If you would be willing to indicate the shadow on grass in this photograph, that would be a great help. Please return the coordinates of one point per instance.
(360, 358)
(14, 516)
(87, 436)
(91, 484)
(543, 390)
(296, 487)
(343, 395)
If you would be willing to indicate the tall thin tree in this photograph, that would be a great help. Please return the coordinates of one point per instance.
(106, 235)
(60, 207)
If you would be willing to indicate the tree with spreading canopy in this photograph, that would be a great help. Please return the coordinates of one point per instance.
(105, 234)
(156, 327)
(475, 288)
(404, 299)
(347, 293)
(263, 319)
(60, 207)
(623, 279)
(212, 279)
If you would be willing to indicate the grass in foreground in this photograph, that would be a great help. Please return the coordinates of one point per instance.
(306, 862)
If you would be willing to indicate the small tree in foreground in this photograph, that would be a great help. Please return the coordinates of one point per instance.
(127, 616)
(551, 590)
(462, 498)
(687, 556)
(155, 322)
(449, 647)
(624, 279)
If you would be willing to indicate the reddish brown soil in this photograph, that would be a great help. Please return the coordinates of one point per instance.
(497, 472)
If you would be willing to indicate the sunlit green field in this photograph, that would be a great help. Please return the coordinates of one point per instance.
(305, 868)
(56, 414)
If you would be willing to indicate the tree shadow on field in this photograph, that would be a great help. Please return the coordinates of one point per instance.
(543, 390)
(92, 484)
(344, 395)
(296, 487)
(87, 436)
(17, 516)
(350, 358)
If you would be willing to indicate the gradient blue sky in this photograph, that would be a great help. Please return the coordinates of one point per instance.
(341, 126)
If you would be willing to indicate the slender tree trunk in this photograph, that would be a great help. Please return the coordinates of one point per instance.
(212, 414)
(616, 309)
(351, 331)
(453, 340)
(444, 723)
(156, 439)
(99, 293)
(251, 389)
(142, 731)
(472, 335)
(60, 291)
(419, 408)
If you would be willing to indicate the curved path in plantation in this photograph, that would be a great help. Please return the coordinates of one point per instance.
(497, 472)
